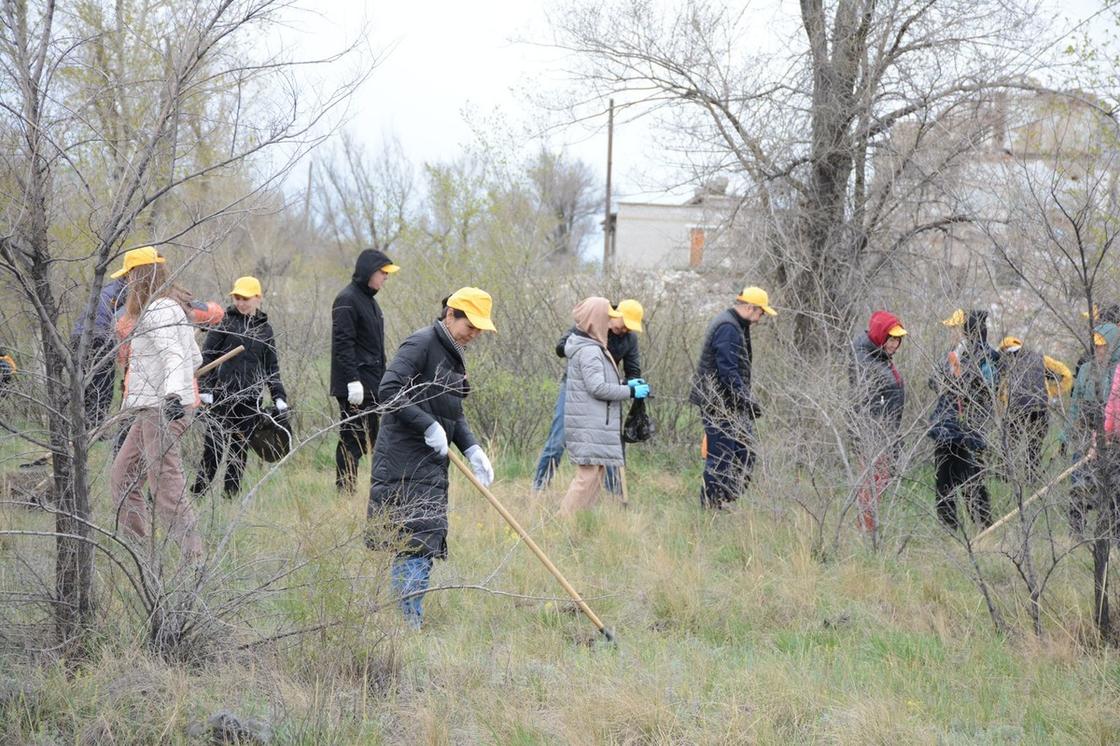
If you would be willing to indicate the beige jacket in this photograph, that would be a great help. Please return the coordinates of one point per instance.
(163, 357)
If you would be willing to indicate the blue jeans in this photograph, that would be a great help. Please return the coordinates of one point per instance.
(554, 449)
(412, 575)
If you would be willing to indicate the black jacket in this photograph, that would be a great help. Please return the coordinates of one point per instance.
(622, 347)
(358, 331)
(426, 382)
(722, 384)
(1022, 377)
(876, 384)
(243, 376)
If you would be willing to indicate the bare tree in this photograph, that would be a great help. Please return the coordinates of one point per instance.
(810, 127)
(567, 191)
(121, 117)
(366, 201)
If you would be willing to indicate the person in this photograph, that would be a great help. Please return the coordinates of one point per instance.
(97, 362)
(1028, 382)
(202, 315)
(965, 382)
(7, 369)
(233, 391)
(161, 394)
(422, 396)
(721, 388)
(622, 344)
(593, 396)
(879, 398)
(358, 362)
(1091, 394)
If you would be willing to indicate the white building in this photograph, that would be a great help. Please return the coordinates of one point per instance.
(659, 236)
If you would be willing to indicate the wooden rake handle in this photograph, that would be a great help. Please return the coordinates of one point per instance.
(1039, 493)
(455, 459)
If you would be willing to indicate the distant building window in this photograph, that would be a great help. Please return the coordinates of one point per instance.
(695, 247)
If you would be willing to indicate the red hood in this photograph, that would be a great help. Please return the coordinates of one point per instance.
(881, 322)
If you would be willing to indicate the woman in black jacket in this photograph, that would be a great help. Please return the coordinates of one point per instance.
(421, 397)
(233, 391)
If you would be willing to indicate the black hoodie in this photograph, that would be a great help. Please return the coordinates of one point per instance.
(358, 331)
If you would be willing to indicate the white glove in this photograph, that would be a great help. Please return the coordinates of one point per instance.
(480, 465)
(206, 398)
(281, 405)
(436, 439)
(355, 393)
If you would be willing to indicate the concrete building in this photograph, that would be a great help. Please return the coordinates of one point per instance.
(666, 236)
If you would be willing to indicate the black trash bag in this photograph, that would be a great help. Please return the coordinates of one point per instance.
(638, 426)
(272, 435)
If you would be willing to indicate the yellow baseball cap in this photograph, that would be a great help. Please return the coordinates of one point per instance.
(476, 304)
(246, 287)
(390, 269)
(1010, 344)
(138, 258)
(957, 319)
(1099, 340)
(632, 314)
(896, 331)
(757, 297)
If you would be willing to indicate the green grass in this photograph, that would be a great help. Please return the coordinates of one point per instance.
(729, 632)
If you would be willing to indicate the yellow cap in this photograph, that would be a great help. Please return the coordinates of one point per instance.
(757, 297)
(390, 269)
(246, 287)
(1010, 344)
(1099, 340)
(632, 314)
(138, 258)
(476, 304)
(896, 331)
(957, 319)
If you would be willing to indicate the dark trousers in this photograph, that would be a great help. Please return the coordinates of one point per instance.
(730, 460)
(961, 469)
(356, 435)
(228, 428)
(99, 364)
(1024, 433)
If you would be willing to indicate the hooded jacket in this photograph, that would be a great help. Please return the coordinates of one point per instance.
(358, 331)
(1092, 387)
(426, 382)
(622, 347)
(243, 376)
(877, 386)
(722, 384)
(593, 396)
(966, 382)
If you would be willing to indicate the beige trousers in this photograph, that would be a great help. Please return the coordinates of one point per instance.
(151, 453)
(583, 492)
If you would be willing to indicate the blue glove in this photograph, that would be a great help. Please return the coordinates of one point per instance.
(639, 389)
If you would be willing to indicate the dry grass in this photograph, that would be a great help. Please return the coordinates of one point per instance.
(729, 632)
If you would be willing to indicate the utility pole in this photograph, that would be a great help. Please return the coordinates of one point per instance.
(608, 224)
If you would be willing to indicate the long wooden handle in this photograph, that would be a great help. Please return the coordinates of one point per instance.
(455, 459)
(1041, 491)
(214, 364)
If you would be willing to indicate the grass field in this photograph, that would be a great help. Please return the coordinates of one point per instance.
(728, 632)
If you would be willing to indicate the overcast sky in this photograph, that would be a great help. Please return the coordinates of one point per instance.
(451, 68)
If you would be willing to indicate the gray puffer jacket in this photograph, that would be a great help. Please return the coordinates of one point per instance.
(593, 397)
